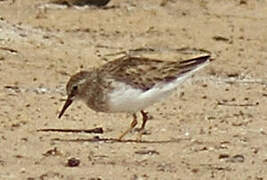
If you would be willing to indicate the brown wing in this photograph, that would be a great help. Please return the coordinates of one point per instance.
(144, 73)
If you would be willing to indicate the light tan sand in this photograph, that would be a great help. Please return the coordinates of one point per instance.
(213, 127)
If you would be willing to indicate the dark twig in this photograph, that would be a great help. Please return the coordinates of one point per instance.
(9, 49)
(241, 105)
(111, 140)
(95, 130)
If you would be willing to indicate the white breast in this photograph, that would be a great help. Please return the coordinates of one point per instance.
(128, 99)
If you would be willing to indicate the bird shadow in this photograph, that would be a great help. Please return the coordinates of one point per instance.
(113, 140)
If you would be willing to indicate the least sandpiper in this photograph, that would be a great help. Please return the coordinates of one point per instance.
(130, 84)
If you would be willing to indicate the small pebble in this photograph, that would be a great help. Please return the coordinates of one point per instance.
(73, 162)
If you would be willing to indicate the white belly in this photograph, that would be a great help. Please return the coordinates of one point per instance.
(127, 99)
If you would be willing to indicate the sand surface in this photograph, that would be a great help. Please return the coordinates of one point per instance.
(212, 127)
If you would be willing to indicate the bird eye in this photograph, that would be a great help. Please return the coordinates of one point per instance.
(75, 88)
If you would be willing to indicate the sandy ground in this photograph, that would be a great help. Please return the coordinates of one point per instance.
(212, 127)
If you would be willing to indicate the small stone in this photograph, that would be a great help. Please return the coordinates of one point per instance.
(239, 158)
(73, 162)
(224, 156)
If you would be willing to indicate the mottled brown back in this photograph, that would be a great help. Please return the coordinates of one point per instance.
(144, 73)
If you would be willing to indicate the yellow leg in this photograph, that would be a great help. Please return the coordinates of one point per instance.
(141, 131)
(133, 124)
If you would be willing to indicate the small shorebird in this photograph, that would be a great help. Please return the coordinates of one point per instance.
(130, 84)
